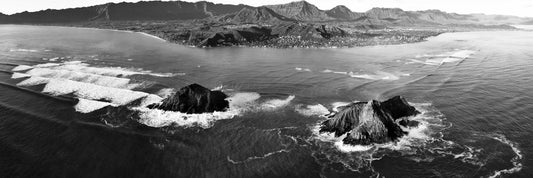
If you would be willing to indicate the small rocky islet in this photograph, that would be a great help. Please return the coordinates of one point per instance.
(364, 123)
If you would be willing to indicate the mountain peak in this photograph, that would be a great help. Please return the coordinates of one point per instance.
(341, 8)
(300, 10)
(385, 9)
(342, 12)
(256, 15)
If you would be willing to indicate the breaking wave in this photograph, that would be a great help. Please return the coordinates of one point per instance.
(302, 69)
(378, 75)
(239, 103)
(99, 87)
(22, 68)
(87, 106)
(442, 58)
(95, 87)
(26, 50)
(102, 80)
(80, 66)
(312, 110)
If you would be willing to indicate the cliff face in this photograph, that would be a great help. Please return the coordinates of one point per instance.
(300, 10)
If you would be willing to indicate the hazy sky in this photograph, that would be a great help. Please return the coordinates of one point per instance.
(505, 7)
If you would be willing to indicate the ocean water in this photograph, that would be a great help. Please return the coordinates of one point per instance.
(72, 104)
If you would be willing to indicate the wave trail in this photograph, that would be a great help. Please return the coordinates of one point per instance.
(257, 157)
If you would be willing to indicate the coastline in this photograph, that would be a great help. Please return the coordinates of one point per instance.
(114, 30)
(394, 36)
(193, 34)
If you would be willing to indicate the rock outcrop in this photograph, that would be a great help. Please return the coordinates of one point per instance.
(371, 122)
(194, 99)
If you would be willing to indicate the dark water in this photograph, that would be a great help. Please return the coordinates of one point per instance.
(475, 90)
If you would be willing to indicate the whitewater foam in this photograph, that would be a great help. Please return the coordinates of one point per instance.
(378, 75)
(80, 66)
(312, 110)
(336, 105)
(517, 165)
(21, 68)
(302, 69)
(33, 80)
(218, 88)
(87, 106)
(160, 118)
(24, 50)
(239, 103)
(99, 87)
(152, 36)
(91, 91)
(442, 58)
(96, 79)
(166, 92)
(277, 103)
(17, 75)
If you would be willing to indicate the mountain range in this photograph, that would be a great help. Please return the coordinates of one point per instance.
(295, 11)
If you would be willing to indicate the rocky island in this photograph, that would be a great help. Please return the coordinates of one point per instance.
(296, 24)
(371, 122)
(194, 99)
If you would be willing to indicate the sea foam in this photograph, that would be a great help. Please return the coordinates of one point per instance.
(517, 165)
(21, 68)
(101, 80)
(99, 87)
(378, 75)
(91, 91)
(87, 106)
(442, 58)
(239, 103)
(312, 110)
(80, 66)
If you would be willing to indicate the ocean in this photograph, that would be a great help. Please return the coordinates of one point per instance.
(73, 104)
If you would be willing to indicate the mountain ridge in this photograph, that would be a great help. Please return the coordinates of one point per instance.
(302, 11)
